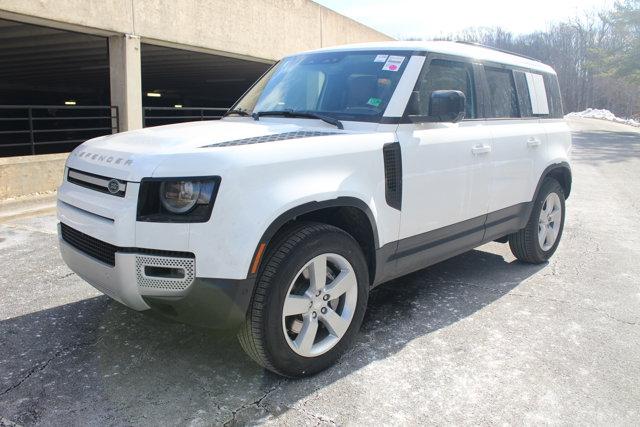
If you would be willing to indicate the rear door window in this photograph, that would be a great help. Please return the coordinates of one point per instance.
(502, 93)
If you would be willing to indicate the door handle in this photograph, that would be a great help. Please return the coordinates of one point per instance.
(533, 142)
(481, 149)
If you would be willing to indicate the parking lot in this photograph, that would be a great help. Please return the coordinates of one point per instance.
(478, 339)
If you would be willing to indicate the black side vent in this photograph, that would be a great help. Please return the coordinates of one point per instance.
(393, 174)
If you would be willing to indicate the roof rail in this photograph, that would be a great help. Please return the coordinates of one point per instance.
(497, 49)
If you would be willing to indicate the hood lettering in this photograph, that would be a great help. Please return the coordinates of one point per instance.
(87, 155)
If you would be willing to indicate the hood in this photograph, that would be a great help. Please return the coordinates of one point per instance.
(135, 154)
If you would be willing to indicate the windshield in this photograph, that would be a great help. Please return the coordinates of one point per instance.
(343, 85)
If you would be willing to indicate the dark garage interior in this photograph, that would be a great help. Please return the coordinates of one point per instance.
(189, 84)
(45, 66)
(45, 74)
(54, 87)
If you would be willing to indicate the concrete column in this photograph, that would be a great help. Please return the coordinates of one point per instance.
(126, 80)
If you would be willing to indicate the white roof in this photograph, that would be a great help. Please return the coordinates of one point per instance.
(450, 48)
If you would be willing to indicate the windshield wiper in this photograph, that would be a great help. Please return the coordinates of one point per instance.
(238, 111)
(290, 113)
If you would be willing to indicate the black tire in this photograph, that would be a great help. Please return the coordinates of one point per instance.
(524, 244)
(262, 336)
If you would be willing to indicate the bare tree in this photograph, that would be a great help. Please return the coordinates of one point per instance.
(596, 56)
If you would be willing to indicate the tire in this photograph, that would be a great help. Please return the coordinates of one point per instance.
(277, 342)
(526, 244)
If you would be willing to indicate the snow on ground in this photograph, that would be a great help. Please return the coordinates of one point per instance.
(594, 113)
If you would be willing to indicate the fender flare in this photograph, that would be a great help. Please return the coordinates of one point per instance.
(293, 213)
(565, 167)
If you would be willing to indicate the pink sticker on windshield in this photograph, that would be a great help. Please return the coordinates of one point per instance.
(393, 63)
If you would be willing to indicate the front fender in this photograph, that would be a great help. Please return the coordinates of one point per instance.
(256, 200)
(303, 208)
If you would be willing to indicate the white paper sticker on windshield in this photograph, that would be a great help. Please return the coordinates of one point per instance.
(393, 63)
(381, 58)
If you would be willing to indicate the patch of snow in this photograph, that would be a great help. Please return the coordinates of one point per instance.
(594, 113)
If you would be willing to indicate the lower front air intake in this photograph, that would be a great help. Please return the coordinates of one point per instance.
(164, 273)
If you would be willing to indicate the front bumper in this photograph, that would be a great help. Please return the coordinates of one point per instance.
(118, 281)
(212, 303)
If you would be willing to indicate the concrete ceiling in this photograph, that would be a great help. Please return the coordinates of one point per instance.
(45, 63)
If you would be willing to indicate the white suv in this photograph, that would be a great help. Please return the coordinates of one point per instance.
(338, 170)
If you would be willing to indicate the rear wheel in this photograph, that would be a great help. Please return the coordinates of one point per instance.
(309, 301)
(540, 238)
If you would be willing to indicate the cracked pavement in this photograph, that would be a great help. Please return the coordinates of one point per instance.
(478, 339)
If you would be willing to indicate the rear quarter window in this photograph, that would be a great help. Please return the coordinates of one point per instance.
(553, 95)
(524, 97)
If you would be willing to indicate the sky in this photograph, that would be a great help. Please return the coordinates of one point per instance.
(429, 18)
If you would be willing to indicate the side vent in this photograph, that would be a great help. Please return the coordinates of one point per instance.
(393, 174)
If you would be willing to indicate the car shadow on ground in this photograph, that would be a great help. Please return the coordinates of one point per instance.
(605, 146)
(97, 361)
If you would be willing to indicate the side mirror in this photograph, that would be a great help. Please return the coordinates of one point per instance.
(444, 106)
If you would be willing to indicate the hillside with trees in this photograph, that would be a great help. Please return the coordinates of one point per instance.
(597, 57)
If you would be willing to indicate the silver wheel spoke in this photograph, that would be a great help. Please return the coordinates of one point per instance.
(296, 304)
(552, 234)
(318, 274)
(555, 216)
(337, 325)
(306, 337)
(542, 236)
(345, 281)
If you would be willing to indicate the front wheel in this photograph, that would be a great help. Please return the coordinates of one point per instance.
(540, 238)
(309, 301)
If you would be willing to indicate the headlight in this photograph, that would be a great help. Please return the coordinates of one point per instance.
(177, 199)
(181, 196)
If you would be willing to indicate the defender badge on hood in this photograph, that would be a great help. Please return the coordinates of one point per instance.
(104, 158)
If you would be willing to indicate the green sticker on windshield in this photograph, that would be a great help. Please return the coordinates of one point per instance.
(374, 101)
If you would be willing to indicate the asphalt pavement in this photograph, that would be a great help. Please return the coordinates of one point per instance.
(478, 339)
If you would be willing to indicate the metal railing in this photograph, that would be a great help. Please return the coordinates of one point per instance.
(34, 126)
(155, 116)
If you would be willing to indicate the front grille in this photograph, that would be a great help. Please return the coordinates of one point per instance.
(106, 252)
(103, 184)
(93, 247)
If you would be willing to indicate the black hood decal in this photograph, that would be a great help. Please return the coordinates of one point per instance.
(271, 138)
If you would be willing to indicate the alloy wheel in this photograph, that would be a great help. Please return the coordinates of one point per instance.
(320, 305)
(549, 221)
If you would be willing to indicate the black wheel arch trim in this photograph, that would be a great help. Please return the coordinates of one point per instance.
(555, 166)
(293, 213)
